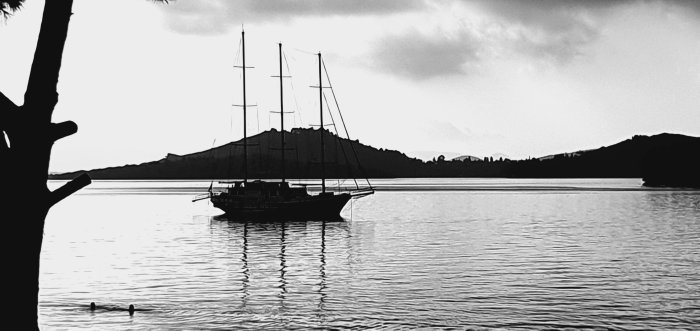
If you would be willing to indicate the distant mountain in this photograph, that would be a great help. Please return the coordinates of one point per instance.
(549, 157)
(464, 157)
(430, 155)
(495, 157)
(302, 160)
(661, 160)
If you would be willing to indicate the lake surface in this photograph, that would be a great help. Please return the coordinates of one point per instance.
(420, 253)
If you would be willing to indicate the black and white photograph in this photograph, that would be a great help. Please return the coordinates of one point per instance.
(350, 164)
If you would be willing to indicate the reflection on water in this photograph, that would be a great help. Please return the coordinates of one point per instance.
(262, 236)
(270, 271)
(484, 259)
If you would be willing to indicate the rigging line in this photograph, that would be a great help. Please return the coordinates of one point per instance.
(330, 114)
(314, 53)
(328, 78)
(339, 141)
(269, 122)
(291, 82)
(230, 149)
(213, 156)
(257, 116)
(298, 166)
(260, 156)
(238, 53)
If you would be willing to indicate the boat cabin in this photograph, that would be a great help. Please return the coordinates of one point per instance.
(259, 187)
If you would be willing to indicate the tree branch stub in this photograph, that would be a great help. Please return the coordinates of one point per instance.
(62, 130)
(69, 188)
(7, 110)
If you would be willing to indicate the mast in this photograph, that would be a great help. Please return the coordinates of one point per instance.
(320, 103)
(245, 117)
(281, 114)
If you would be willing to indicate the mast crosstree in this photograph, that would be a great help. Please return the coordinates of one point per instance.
(282, 112)
(245, 112)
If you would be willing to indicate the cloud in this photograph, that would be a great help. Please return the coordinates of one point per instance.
(463, 48)
(216, 16)
(559, 29)
(559, 45)
(525, 8)
(418, 55)
(544, 31)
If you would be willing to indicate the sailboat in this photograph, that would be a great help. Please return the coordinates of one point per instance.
(277, 200)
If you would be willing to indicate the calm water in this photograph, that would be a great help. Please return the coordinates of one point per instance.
(420, 253)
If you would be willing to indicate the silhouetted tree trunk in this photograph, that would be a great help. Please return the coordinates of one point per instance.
(24, 164)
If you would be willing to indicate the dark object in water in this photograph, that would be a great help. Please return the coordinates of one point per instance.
(131, 309)
(276, 200)
(260, 200)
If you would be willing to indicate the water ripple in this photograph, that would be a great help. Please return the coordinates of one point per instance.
(605, 256)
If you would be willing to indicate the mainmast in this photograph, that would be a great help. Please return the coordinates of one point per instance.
(320, 103)
(281, 113)
(245, 117)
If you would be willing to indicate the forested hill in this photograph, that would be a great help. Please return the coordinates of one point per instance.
(302, 160)
(662, 160)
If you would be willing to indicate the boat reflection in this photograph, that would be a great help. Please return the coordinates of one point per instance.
(296, 249)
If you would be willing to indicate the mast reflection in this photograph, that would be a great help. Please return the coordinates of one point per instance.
(322, 268)
(256, 251)
(283, 266)
(246, 270)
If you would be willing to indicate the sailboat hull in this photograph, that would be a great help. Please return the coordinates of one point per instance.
(310, 207)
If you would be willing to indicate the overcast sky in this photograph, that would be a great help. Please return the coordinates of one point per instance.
(477, 77)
